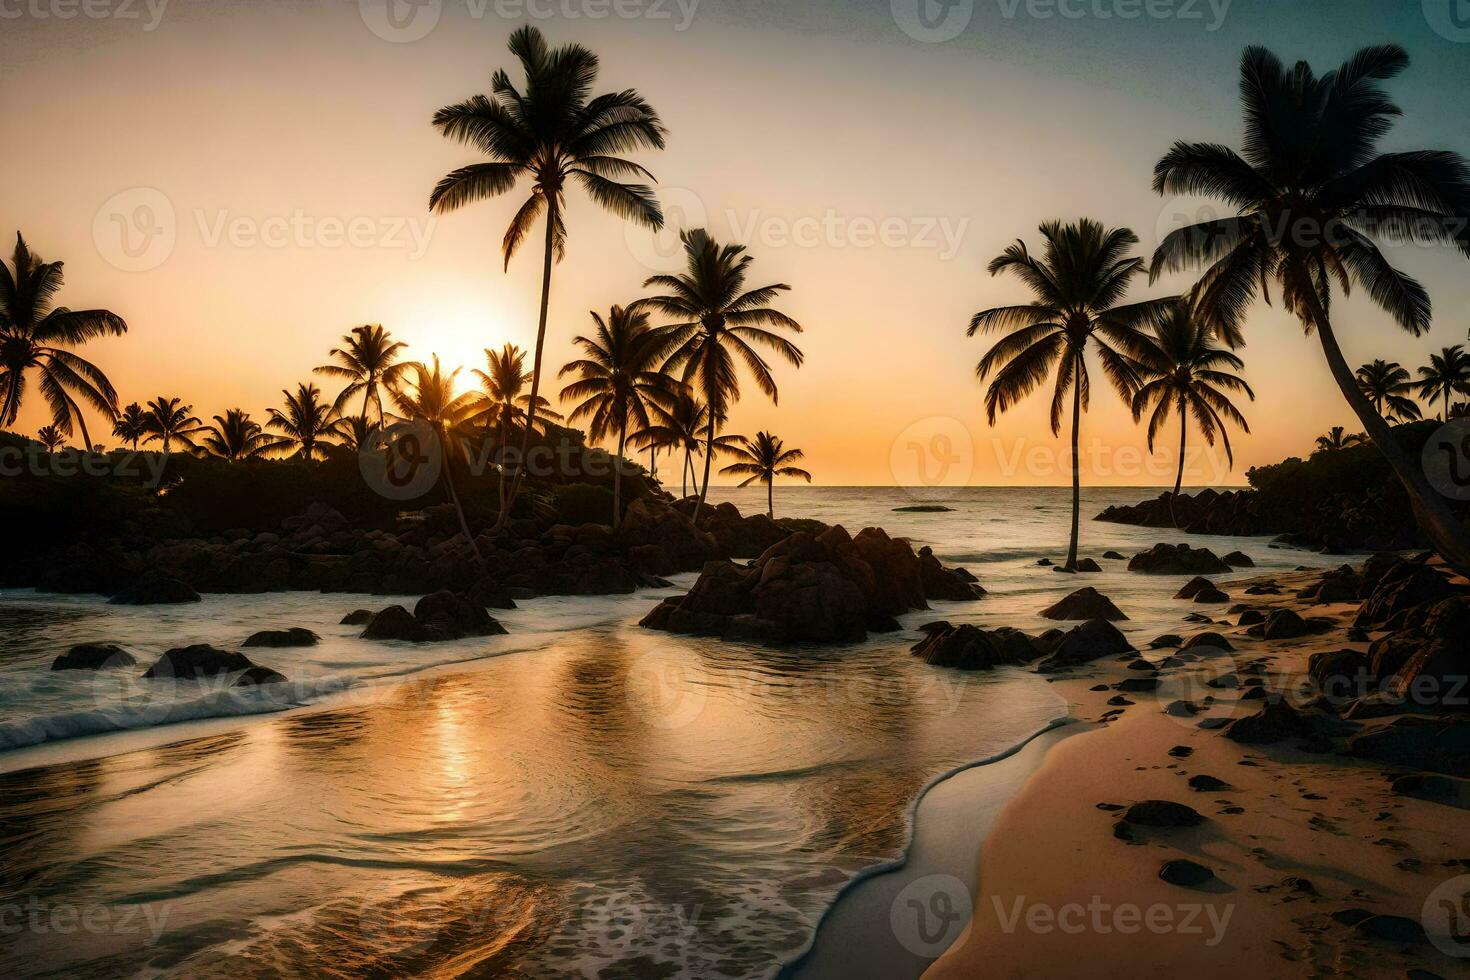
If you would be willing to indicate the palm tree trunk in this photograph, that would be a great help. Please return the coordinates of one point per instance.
(618, 476)
(464, 525)
(1076, 461)
(709, 455)
(770, 498)
(515, 485)
(366, 394)
(500, 448)
(1179, 477)
(652, 461)
(684, 474)
(1439, 524)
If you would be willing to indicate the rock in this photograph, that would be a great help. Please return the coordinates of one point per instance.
(923, 509)
(1435, 788)
(943, 584)
(1088, 565)
(1118, 701)
(93, 656)
(446, 615)
(1392, 928)
(394, 623)
(1166, 642)
(153, 589)
(1237, 559)
(1186, 873)
(1284, 624)
(197, 661)
(1412, 742)
(1045, 562)
(1180, 752)
(1276, 721)
(1211, 595)
(968, 647)
(1194, 587)
(1339, 674)
(1085, 603)
(1181, 709)
(296, 636)
(1207, 784)
(1350, 917)
(1177, 559)
(358, 617)
(1426, 662)
(1405, 585)
(255, 675)
(1113, 556)
(1207, 643)
(1091, 641)
(1162, 813)
(1212, 724)
(1251, 617)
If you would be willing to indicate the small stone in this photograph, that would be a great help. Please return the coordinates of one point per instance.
(1186, 873)
(1206, 784)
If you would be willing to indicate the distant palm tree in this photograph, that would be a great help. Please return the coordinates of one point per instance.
(168, 420)
(34, 335)
(1446, 375)
(131, 425)
(356, 432)
(764, 458)
(1309, 193)
(236, 436)
(305, 423)
(617, 379)
(1386, 385)
(368, 361)
(550, 130)
(49, 438)
(1079, 282)
(680, 425)
(430, 397)
(720, 323)
(501, 401)
(1185, 371)
(1338, 438)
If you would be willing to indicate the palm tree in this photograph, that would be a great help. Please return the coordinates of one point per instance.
(1447, 374)
(430, 397)
(1310, 192)
(169, 420)
(720, 323)
(1184, 370)
(1338, 438)
(356, 432)
(305, 423)
(36, 335)
(368, 361)
(501, 401)
(549, 130)
(131, 425)
(236, 436)
(764, 458)
(1387, 387)
(1079, 281)
(618, 378)
(50, 438)
(680, 424)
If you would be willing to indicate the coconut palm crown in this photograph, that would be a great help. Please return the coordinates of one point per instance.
(1387, 386)
(764, 458)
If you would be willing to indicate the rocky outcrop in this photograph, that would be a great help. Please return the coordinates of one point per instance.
(439, 616)
(1091, 641)
(1287, 624)
(1400, 588)
(967, 647)
(1426, 662)
(358, 617)
(295, 636)
(93, 656)
(1411, 742)
(1177, 559)
(1273, 723)
(154, 589)
(1207, 512)
(1087, 603)
(197, 662)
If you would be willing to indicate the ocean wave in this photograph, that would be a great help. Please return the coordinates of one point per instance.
(27, 732)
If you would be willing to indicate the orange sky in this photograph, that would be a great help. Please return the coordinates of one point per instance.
(284, 153)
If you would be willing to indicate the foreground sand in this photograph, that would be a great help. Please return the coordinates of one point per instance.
(1060, 895)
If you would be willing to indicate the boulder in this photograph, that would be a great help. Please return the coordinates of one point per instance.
(1113, 556)
(93, 656)
(1392, 928)
(1409, 583)
(944, 584)
(394, 623)
(1185, 873)
(1435, 788)
(1088, 565)
(1339, 674)
(968, 647)
(1211, 595)
(1414, 742)
(154, 589)
(358, 617)
(1162, 813)
(1194, 587)
(1207, 643)
(1426, 662)
(295, 636)
(256, 676)
(1167, 641)
(1283, 624)
(1251, 617)
(1238, 559)
(1085, 603)
(1091, 641)
(1177, 559)
(1276, 721)
(446, 615)
(197, 661)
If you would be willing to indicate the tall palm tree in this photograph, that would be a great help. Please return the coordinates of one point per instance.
(1185, 371)
(1310, 191)
(131, 425)
(1079, 282)
(1446, 375)
(50, 438)
(1387, 387)
(368, 361)
(549, 130)
(764, 458)
(236, 436)
(34, 335)
(618, 377)
(720, 323)
(430, 397)
(305, 423)
(501, 401)
(168, 420)
(1337, 438)
(678, 425)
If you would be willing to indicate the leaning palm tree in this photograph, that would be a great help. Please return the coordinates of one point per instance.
(368, 362)
(501, 401)
(1337, 438)
(1446, 375)
(550, 130)
(168, 420)
(35, 336)
(1387, 387)
(305, 423)
(430, 397)
(618, 377)
(1079, 282)
(1183, 370)
(719, 324)
(130, 425)
(764, 458)
(1310, 192)
(236, 436)
(50, 438)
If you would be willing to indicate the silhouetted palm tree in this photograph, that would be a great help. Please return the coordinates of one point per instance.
(236, 436)
(1079, 282)
(720, 323)
(617, 379)
(1386, 385)
(430, 397)
(680, 425)
(1338, 438)
(50, 438)
(168, 420)
(501, 401)
(305, 423)
(1183, 370)
(131, 425)
(368, 361)
(356, 432)
(34, 335)
(1446, 375)
(550, 130)
(1310, 192)
(764, 458)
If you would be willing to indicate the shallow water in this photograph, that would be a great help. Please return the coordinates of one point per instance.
(580, 798)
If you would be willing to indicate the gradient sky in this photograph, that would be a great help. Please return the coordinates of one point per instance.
(270, 130)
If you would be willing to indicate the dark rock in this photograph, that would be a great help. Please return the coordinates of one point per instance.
(1410, 742)
(1350, 917)
(1207, 643)
(1206, 784)
(1181, 709)
(1435, 788)
(1339, 674)
(197, 661)
(1167, 641)
(1276, 721)
(1186, 873)
(1137, 685)
(1194, 587)
(1088, 565)
(1284, 624)
(1238, 559)
(1118, 701)
(256, 675)
(1045, 562)
(1085, 603)
(153, 589)
(1092, 640)
(296, 636)
(968, 647)
(1113, 556)
(1405, 585)
(1180, 752)
(1251, 617)
(394, 623)
(1426, 662)
(1162, 813)
(1211, 595)
(358, 617)
(93, 656)
(446, 615)
(1177, 559)
(1392, 928)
